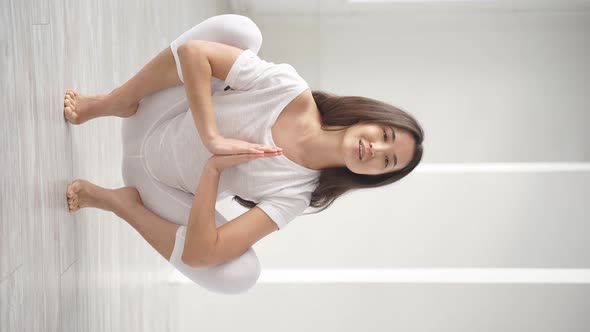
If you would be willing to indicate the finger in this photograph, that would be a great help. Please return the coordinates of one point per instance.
(250, 155)
(255, 150)
(243, 153)
(267, 148)
(272, 154)
(266, 155)
(258, 155)
(272, 148)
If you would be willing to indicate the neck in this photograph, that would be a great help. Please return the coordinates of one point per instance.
(322, 149)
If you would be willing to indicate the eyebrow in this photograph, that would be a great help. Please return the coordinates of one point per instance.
(393, 141)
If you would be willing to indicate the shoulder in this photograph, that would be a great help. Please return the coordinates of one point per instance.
(286, 205)
(305, 100)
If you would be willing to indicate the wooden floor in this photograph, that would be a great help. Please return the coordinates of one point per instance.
(85, 271)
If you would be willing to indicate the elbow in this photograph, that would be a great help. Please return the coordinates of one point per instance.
(186, 260)
(190, 47)
(197, 261)
(193, 57)
(191, 261)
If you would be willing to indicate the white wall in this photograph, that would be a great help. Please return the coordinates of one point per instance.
(502, 82)
(488, 87)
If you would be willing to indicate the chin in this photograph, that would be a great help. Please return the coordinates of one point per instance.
(356, 171)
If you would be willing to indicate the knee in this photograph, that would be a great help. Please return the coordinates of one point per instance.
(237, 281)
(241, 31)
(234, 277)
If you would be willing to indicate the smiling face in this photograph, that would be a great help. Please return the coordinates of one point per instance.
(383, 146)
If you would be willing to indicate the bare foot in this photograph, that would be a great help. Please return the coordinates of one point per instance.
(79, 108)
(81, 194)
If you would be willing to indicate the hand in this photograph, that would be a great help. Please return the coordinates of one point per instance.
(220, 145)
(221, 162)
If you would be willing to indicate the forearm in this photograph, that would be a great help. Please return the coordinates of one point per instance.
(201, 232)
(197, 82)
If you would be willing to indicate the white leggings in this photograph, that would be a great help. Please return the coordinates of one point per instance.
(174, 205)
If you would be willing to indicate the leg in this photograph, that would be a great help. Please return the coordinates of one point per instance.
(163, 71)
(233, 277)
(158, 74)
(125, 203)
(158, 232)
(230, 29)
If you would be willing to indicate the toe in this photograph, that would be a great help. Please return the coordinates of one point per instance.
(76, 185)
(71, 115)
(73, 189)
(70, 94)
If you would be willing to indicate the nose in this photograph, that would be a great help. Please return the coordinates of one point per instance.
(373, 150)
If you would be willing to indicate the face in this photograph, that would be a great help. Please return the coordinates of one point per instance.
(383, 145)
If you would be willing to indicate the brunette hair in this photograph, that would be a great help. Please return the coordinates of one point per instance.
(347, 111)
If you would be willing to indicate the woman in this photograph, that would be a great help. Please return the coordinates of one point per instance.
(195, 119)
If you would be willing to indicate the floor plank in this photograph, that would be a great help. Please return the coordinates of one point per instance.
(84, 271)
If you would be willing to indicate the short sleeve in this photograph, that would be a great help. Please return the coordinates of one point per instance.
(283, 209)
(250, 72)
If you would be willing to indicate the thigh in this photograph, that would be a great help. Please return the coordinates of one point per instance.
(174, 205)
(235, 30)
(230, 29)
(235, 276)
(151, 112)
(169, 203)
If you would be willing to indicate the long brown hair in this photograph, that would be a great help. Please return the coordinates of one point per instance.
(347, 111)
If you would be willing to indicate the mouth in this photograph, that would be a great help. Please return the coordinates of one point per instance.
(360, 150)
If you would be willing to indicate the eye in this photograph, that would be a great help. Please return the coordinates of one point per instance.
(385, 138)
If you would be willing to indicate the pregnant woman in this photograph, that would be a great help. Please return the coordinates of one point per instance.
(208, 119)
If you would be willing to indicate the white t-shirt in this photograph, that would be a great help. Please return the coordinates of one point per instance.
(260, 90)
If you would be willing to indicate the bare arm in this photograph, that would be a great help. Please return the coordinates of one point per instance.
(197, 82)
(205, 245)
(200, 60)
(201, 231)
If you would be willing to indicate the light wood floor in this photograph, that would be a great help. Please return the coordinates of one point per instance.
(85, 271)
